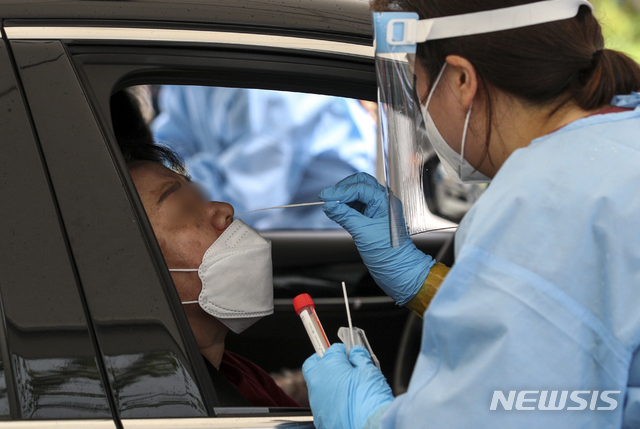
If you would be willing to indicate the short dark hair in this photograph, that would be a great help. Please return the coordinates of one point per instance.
(134, 136)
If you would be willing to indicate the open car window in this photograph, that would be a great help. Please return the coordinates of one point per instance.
(266, 148)
(257, 148)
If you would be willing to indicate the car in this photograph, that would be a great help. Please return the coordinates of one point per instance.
(93, 333)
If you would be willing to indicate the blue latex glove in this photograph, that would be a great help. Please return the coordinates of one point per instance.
(344, 391)
(363, 211)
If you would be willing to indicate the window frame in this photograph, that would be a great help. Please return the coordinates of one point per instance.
(38, 262)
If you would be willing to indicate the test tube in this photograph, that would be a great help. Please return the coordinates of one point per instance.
(306, 309)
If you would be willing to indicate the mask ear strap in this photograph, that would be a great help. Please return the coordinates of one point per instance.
(184, 270)
(464, 134)
(433, 88)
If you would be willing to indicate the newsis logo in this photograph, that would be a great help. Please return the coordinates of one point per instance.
(528, 400)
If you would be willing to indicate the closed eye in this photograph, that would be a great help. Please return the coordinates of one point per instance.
(173, 188)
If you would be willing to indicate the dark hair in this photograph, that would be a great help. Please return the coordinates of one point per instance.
(543, 64)
(133, 134)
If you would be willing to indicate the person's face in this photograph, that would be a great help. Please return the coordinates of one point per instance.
(184, 221)
(444, 108)
(449, 106)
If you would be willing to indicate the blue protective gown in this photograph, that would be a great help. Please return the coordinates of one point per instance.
(255, 148)
(545, 291)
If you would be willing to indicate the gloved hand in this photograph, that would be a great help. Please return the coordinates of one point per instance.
(363, 211)
(344, 391)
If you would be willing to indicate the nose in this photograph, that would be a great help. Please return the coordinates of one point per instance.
(221, 215)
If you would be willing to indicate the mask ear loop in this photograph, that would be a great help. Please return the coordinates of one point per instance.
(464, 138)
(433, 88)
(185, 270)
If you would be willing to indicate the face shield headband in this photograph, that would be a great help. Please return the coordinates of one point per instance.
(404, 140)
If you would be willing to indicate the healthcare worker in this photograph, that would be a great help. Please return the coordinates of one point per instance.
(256, 148)
(537, 324)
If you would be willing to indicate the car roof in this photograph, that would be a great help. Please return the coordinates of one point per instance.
(328, 19)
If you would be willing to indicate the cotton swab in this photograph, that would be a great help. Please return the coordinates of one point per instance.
(284, 207)
(346, 304)
(318, 203)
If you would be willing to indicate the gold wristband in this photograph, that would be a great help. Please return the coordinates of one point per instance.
(420, 302)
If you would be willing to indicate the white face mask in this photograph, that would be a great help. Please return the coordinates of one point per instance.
(237, 278)
(455, 164)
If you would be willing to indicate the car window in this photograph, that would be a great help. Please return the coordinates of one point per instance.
(257, 148)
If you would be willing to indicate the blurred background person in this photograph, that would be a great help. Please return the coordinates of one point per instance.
(258, 148)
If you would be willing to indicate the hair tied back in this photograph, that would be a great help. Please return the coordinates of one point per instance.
(596, 55)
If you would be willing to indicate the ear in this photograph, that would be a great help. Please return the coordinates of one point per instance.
(464, 79)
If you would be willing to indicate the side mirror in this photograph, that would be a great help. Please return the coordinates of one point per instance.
(445, 197)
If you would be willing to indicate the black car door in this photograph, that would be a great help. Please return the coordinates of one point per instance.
(141, 337)
(51, 364)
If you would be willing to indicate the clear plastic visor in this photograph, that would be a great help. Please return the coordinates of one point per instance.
(406, 148)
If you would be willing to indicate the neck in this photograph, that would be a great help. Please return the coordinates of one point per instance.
(519, 124)
(210, 334)
(213, 353)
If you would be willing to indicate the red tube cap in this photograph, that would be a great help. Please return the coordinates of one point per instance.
(301, 301)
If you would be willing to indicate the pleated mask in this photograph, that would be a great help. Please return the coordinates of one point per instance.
(237, 278)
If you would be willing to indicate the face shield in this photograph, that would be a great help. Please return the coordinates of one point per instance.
(406, 147)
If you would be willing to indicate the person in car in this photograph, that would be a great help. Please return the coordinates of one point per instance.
(187, 226)
(537, 324)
